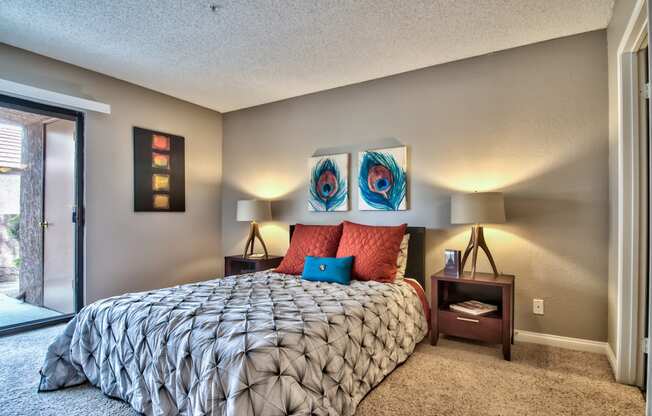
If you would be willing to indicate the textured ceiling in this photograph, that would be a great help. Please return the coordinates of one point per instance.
(253, 52)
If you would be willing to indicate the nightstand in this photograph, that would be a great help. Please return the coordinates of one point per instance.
(494, 328)
(240, 265)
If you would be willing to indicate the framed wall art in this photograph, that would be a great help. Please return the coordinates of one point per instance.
(382, 179)
(159, 171)
(328, 181)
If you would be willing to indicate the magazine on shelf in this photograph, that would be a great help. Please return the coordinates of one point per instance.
(473, 307)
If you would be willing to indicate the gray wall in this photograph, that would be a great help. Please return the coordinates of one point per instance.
(531, 122)
(126, 251)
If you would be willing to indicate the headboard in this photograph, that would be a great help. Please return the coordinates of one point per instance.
(416, 265)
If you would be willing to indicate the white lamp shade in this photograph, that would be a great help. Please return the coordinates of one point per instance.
(478, 208)
(254, 210)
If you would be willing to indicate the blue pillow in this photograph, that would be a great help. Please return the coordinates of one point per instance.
(328, 269)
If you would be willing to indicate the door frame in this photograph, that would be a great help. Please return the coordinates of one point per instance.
(628, 170)
(648, 361)
(644, 211)
(78, 117)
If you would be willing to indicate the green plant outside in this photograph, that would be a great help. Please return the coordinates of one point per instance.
(13, 226)
(13, 229)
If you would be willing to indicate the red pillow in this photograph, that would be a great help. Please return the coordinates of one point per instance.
(375, 250)
(310, 240)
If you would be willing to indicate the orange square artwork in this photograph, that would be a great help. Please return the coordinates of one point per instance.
(160, 142)
(159, 171)
(161, 201)
(160, 160)
(160, 182)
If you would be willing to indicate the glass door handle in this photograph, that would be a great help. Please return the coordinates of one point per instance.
(44, 224)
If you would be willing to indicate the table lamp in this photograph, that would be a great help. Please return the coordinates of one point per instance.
(478, 208)
(254, 210)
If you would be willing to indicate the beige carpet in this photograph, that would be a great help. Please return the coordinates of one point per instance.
(460, 378)
(454, 378)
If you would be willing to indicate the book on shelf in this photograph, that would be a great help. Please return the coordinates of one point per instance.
(473, 307)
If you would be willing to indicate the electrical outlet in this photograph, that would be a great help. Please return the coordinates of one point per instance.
(537, 306)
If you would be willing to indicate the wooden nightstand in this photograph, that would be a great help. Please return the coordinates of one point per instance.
(239, 265)
(495, 328)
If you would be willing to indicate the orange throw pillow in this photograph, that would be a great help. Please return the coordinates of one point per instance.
(374, 248)
(310, 240)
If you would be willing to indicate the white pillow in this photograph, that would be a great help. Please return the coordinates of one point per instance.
(401, 260)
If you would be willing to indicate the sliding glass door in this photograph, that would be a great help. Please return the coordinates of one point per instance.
(41, 226)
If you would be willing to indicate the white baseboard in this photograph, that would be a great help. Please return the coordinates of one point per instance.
(577, 344)
(611, 356)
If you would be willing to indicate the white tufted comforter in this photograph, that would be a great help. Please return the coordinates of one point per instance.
(256, 344)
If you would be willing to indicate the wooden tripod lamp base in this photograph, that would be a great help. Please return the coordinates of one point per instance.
(477, 208)
(253, 210)
(254, 232)
(477, 241)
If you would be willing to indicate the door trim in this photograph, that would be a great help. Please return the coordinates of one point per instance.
(644, 209)
(78, 117)
(30, 92)
(80, 213)
(628, 235)
(39, 323)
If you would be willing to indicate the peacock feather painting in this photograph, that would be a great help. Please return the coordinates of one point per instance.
(329, 185)
(382, 180)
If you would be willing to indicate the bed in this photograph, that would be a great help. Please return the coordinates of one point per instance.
(263, 343)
